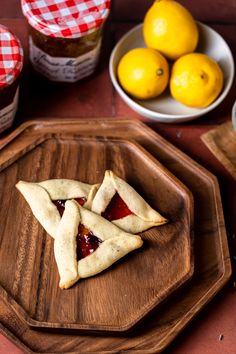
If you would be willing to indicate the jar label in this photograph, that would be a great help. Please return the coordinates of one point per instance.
(8, 113)
(64, 69)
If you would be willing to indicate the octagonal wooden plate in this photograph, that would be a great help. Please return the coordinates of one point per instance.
(212, 262)
(116, 299)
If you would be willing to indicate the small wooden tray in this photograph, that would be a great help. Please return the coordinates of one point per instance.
(119, 297)
(212, 262)
(222, 143)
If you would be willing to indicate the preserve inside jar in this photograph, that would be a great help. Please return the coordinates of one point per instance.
(11, 62)
(65, 48)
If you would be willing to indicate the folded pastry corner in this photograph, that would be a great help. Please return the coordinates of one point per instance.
(86, 244)
(65, 245)
(47, 199)
(119, 203)
(41, 205)
(64, 189)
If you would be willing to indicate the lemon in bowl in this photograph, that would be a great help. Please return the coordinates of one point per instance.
(143, 73)
(170, 28)
(196, 80)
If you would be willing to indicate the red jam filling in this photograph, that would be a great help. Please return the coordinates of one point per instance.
(116, 209)
(87, 242)
(60, 203)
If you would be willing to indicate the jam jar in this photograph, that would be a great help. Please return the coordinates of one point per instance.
(65, 36)
(11, 63)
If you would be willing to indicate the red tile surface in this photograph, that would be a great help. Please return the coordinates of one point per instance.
(213, 332)
(216, 11)
(134, 10)
(66, 101)
(6, 347)
(10, 9)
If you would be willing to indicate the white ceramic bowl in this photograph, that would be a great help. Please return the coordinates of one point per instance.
(164, 108)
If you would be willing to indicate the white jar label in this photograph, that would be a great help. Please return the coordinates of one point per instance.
(64, 69)
(8, 113)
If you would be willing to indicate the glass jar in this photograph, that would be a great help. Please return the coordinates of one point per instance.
(65, 36)
(11, 63)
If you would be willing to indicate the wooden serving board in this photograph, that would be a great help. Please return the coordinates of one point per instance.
(116, 299)
(222, 143)
(212, 263)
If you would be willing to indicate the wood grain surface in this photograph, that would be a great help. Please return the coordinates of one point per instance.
(222, 143)
(119, 297)
(212, 264)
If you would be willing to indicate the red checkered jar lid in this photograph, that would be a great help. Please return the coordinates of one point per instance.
(11, 57)
(66, 18)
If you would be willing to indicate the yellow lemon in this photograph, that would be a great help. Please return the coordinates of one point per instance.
(143, 73)
(196, 80)
(170, 28)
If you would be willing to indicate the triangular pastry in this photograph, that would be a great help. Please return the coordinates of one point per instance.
(47, 199)
(119, 203)
(86, 244)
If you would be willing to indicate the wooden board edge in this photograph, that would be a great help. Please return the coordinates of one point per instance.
(208, 140)
(39, 122)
